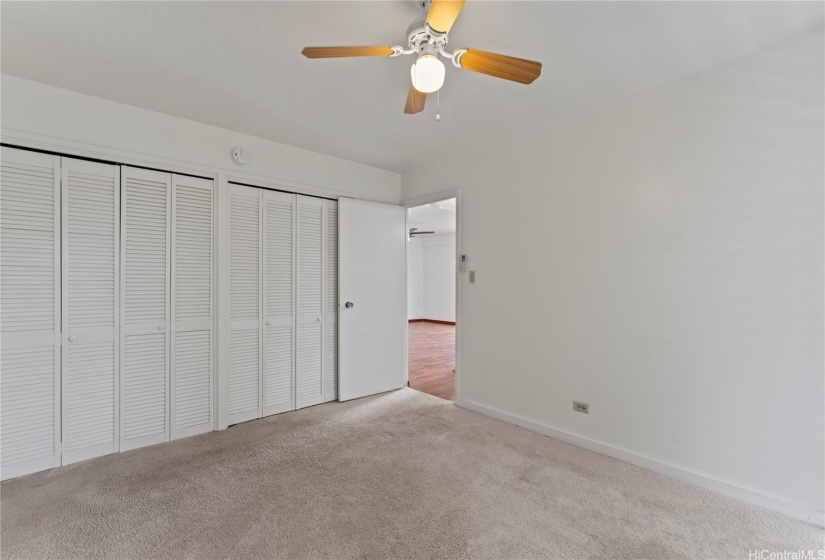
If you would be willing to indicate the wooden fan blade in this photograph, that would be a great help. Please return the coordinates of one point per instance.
(507, 67)
(442, 14)
(338, 52)
(415, 101)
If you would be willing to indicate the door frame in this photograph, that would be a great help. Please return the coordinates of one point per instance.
(429, 199)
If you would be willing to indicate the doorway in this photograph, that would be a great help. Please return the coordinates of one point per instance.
(431, 297)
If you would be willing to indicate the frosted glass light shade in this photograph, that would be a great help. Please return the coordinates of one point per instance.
(427, 73)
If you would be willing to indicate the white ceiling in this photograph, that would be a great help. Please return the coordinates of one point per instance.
(439, 218)
(237, 65)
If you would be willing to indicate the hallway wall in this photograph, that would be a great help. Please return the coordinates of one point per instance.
(431, 263)
(415, 279)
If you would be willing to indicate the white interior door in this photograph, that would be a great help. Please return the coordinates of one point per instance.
(245, 211)
(309, 378)
(29, 312)
(91, 247)
(192, 302)
(331, 301)
(372, 269)
(145, 224)
(279, 302)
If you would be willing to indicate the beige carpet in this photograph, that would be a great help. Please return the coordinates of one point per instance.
(400, 475)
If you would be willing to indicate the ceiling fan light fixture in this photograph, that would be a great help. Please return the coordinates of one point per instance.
(427, 73)
(427, 38)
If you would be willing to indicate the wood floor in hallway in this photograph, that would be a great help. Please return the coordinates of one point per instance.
(432, 359)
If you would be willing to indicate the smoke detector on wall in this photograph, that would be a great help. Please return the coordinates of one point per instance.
(240, 156)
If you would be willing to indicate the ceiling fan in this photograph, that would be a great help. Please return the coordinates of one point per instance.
(414, 231)
(428, 39)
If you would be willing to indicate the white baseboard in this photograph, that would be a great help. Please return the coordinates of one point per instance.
(750, 496)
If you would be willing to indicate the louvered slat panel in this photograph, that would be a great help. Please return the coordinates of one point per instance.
(332, 257)
(279, 299)
(29, 311)
(309, 385)
(193, 252)
(144, 231)
(279, 371)
(279, 254)
(91, 210)
(144, 406)
(192, 296)
(331, 303)
(309, 348)
(27, 413)
(244, 246)
(244, 375)
(331, 361)
(91, 250)
(245, 304)
(193, 380)
(27, 242)
(88, 400)
(310, 258)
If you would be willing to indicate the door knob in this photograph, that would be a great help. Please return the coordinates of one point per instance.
(72, 338)
(161, 327)
(318, 320)
(269, 323)
(349, 305)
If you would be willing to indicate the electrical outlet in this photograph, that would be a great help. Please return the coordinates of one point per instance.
(472, 277)
(582, 407)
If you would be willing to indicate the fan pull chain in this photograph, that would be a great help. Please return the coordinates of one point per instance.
(438, 105)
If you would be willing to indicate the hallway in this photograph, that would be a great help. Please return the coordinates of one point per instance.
(432, 358)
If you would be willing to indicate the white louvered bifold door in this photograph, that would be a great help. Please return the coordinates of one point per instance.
(90, 237)
(279, 302)
(145, 266)
(331, 300)
(29, 312)
(192, 301)
(244, 303)
(309, 378)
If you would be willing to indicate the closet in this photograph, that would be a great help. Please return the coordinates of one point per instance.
(283, 302)
(106, 298)
(166, 307)
(108, 307)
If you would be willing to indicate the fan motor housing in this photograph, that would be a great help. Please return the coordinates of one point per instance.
(420, 34)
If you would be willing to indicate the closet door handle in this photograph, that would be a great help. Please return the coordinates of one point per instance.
(349, 305)
(161, 327)
(72, 338)
(269, 323)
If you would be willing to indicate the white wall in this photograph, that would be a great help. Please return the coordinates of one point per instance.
(38, 115)
(662, 260)
(415, 279)
(439, 277)
(431, 277)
